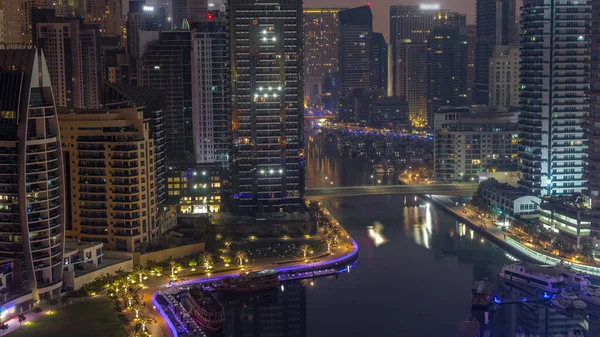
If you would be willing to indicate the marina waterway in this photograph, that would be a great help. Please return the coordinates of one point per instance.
(414, 274)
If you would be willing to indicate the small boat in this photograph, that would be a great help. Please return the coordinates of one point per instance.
(590, 294)
(576, 302)
(561, 302)
(205, 309)
(546, 278)
(379, 168)
(482, 293)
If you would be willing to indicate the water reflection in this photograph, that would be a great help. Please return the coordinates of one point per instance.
(375, 232)
(279, 312)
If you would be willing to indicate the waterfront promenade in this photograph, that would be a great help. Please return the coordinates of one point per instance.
(346, 252)
(508, 240)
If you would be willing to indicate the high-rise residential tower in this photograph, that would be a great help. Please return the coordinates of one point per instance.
(106, 13)
(447, 58)
(210, 85)
(504, 76)
(408, 24)
(356, 29)
(267, 97)
(72, 50)
(592, 170)
(167, 66)
(321, 39)
(31, 174)
(143, 18)
(554, 76)
(495, 26)
(111, 177)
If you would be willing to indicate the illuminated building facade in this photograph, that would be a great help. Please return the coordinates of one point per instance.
(592, 172)
(195, 190)
(356, 30)
(210, 100)
(321, 41)
(470, 141)
(408, 24)
(554, 75)
(447, 57)
(110, 160)
(32, 191)
(265, 44)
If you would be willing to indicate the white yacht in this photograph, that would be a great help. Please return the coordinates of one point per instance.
(590, 294)
(546, 278)
(576, 302)
(575, 279)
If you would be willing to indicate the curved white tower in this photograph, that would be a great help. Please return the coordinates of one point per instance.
(31, 173)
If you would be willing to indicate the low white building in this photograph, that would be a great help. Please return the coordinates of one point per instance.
(512, 201)
(85, 261)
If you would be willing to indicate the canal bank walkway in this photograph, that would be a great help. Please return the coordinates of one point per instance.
(346, 252)
(505, 240)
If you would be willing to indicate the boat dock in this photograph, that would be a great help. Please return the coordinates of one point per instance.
(307, 274)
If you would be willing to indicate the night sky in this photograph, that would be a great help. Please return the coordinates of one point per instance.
(381, 9)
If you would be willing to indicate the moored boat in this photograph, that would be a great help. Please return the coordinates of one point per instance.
(250, 282)
(576, 302)
(546, 278)
(205, 309)
(482, 293)
(590, 294)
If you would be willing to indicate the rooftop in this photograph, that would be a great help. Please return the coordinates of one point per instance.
(81, 245)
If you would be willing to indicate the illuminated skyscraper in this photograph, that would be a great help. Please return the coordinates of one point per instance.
(32, 191)
(356, 29)
(554, 75)
(592, 172)
(447, 57)
(265, 39)
(321, 38)
(408, 24)
(210, 99)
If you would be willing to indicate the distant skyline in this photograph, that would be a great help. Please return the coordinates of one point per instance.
(381, 9)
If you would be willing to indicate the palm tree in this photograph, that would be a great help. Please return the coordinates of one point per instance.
(192, 264)
(241, 256)
(22, 319)
(207, 259)
(328, 241)
(226, 259)
(3, 327)
(304, 249)
(157, 270)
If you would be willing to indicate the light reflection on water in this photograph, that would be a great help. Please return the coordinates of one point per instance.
(422, 275)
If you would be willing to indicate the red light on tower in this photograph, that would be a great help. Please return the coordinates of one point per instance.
(369, 4)
(210, 16)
